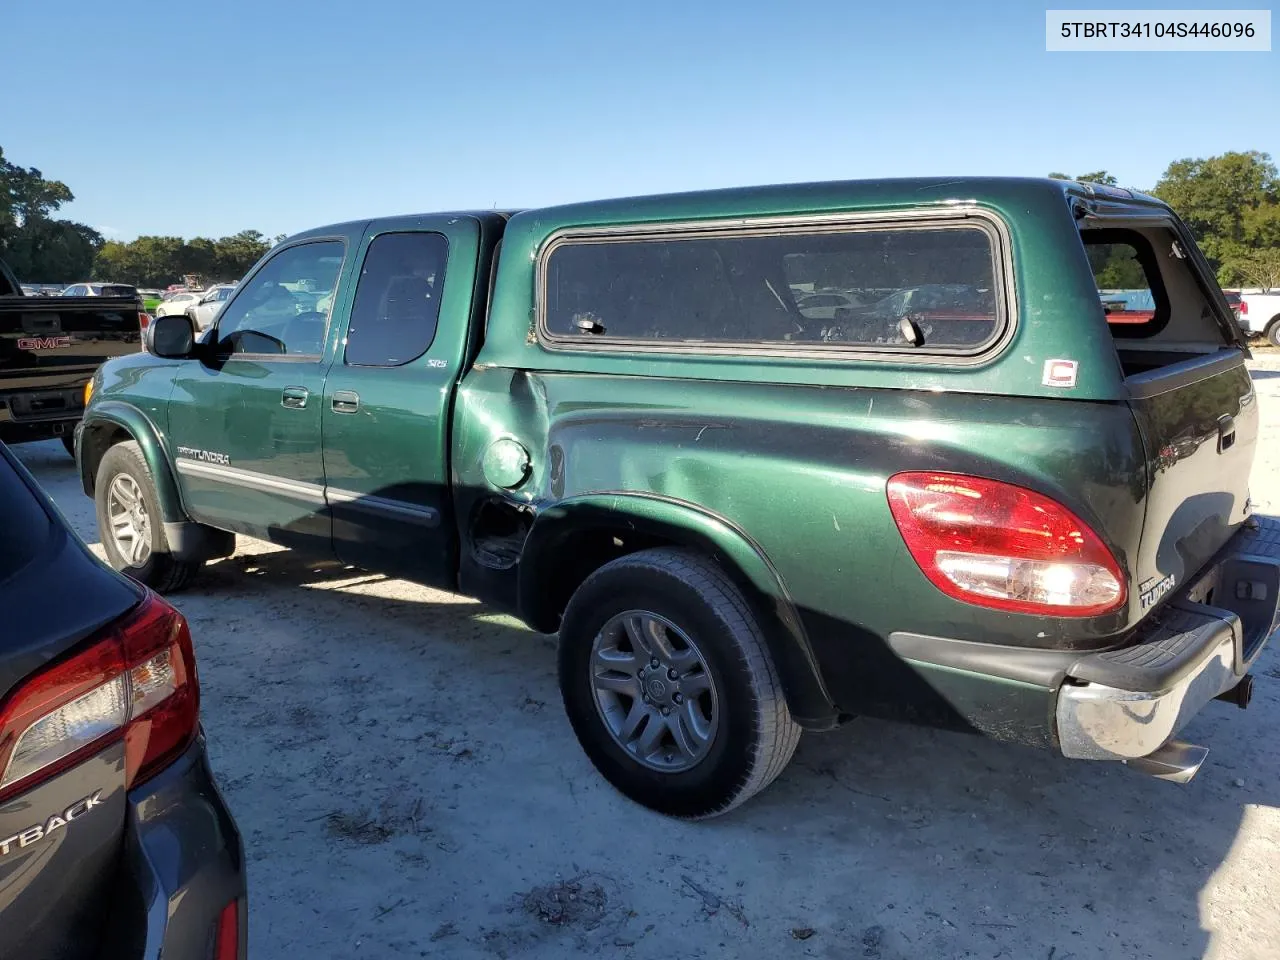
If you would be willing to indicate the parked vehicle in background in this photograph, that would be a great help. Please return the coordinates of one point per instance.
(30, 290)
(49, 348)
(968, 501)
(1260, 314)
(109, 816)
(206, 308)
(100, 290)
(1233, 301)
(176, 303)
(823, 306)
(150, 299)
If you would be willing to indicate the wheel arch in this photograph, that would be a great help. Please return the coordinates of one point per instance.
(112, 422)
(575, 537)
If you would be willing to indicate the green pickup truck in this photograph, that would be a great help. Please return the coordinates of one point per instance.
(767, 459)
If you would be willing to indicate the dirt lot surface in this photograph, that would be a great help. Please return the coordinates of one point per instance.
(407, 785)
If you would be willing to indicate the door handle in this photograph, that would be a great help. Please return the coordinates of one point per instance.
(295, 397)
(1226, 432)
(345, 401)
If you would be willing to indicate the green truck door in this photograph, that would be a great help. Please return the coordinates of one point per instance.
(389, 396)
(244, 422)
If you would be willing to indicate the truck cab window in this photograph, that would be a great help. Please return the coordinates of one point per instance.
(284, 307)
(397, 302)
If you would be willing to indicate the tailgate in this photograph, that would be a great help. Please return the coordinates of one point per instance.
(60, 846)
(1189, 390)
(1199, 427)
(52, 342)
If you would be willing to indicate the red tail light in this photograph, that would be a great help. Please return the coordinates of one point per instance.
(135, 681)
(226, 933)
(1003, 546)
(144, 320)
(1243, 307)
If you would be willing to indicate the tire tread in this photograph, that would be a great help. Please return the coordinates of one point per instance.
(778, 733)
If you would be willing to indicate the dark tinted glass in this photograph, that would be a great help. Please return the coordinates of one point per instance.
(853, 287)
(397, 302)
(25, 528)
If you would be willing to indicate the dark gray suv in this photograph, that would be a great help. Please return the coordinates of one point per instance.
(114, 840)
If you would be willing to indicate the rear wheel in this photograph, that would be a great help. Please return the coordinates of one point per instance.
(130, 523)
(1273, 332)
(669, 685)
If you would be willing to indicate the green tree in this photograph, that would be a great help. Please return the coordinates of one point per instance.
(1097, 176)
(36, 246)
(1232, 205)
(235, 255)
(153, 261)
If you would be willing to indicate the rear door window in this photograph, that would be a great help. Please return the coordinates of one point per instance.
(930, 288)
(25, 527)
(397, 302)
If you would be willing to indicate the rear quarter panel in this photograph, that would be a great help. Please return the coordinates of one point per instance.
(803, 471)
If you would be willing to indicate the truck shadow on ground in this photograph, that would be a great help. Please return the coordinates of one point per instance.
(884, 839)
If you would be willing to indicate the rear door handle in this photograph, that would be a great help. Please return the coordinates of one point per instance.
(1226, 432)
(295, 397)
(345, 401)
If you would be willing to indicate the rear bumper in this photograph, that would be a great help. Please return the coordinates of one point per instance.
(40, 414)
(185, 863)
(1124, 703)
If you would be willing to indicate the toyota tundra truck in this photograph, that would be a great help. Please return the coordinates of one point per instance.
(960, 498)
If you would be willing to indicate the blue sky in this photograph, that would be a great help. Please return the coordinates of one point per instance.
(280, 115)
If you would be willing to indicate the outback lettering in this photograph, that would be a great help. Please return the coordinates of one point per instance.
(38, 831)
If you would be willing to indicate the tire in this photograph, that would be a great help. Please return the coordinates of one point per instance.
(747, 733)
(69, 444)
(152, 564)
(1273, 332)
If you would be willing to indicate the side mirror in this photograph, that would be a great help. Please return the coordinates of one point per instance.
(172, 337)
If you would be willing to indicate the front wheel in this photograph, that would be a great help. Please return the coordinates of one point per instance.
(669, 685)
(130, 523)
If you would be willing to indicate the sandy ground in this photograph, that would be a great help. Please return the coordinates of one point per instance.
(407, 785)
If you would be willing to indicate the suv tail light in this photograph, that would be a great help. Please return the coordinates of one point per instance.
(1003, 546)
(1243, 307)
(136, 681)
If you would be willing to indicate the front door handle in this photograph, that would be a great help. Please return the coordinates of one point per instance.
(345, 401)
(295, 397)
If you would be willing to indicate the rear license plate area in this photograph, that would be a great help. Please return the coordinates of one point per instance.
(45, 404)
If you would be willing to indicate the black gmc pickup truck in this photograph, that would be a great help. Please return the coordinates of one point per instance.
(49, 348)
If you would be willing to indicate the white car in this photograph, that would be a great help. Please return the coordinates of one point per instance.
(1260, 314)
(177, 303)
(205, 310)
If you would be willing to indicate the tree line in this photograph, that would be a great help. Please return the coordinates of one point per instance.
(40, 248)
(1230, 202)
